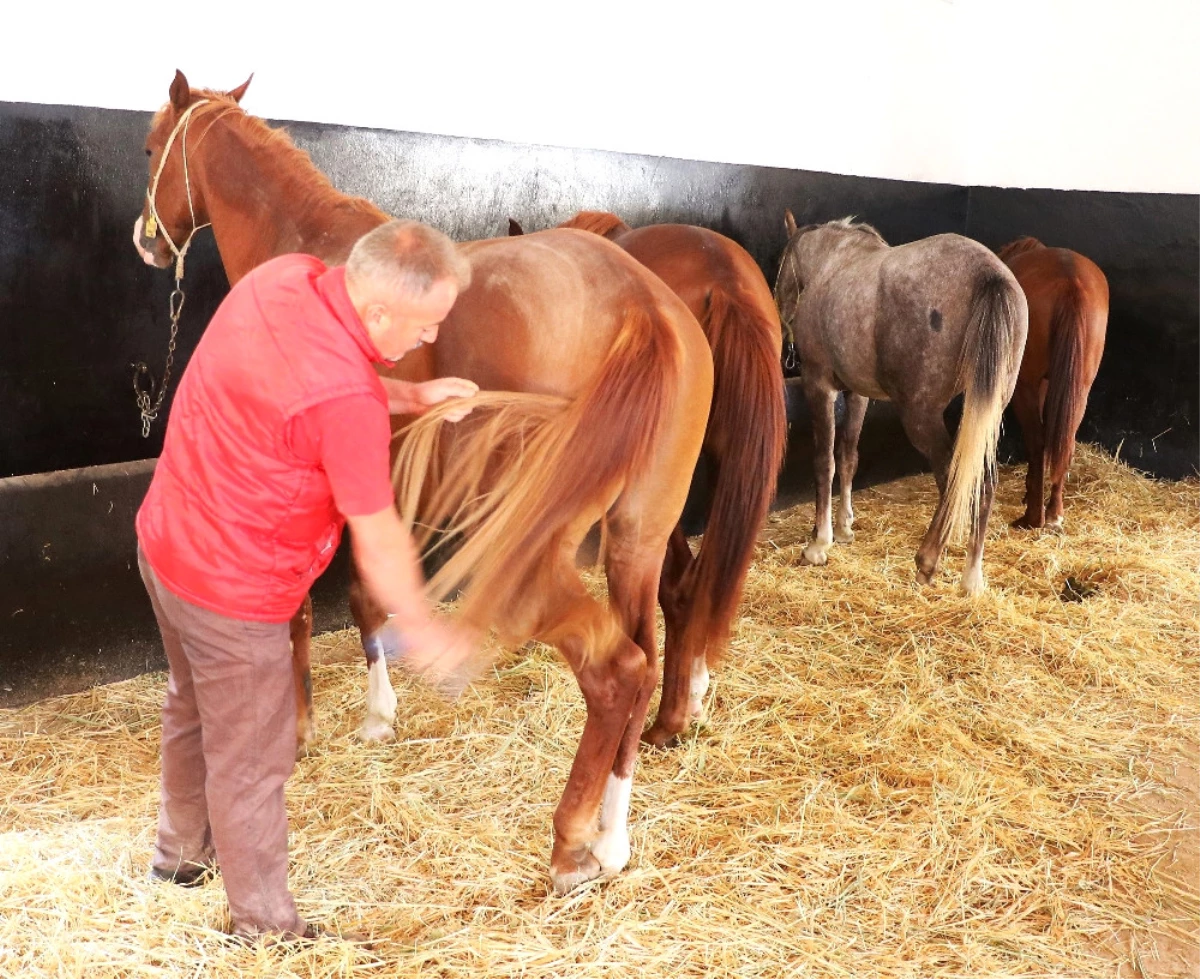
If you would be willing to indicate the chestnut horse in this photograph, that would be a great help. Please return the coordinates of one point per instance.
(1068, 316)
(917, 324)
(618, 379)
(744, 442)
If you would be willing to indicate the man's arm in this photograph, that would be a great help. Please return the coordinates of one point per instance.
(387, 560)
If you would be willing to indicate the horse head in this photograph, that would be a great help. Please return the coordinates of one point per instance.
(807, 251)
(174, 206)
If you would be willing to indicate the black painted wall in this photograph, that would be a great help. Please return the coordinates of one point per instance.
(1144, 401)
(78, 307)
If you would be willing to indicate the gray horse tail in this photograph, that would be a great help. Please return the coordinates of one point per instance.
(991, 357)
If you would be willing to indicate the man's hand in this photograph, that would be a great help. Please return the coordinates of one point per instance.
(444, 655)
(440, 389)
(406, 398)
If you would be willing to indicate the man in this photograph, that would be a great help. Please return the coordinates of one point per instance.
(278, 435)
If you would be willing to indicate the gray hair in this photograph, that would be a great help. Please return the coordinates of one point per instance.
(408, 257)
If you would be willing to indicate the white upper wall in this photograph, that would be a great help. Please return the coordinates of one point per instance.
(1072, 94)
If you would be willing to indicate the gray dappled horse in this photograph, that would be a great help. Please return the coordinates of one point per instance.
(916, 324)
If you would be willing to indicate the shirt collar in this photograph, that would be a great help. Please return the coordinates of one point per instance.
(331, 286)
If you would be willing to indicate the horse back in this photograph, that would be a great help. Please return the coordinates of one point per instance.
(543, 311)
(692, 261)
(1062, 287)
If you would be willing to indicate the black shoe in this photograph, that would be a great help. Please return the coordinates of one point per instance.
(188, 875)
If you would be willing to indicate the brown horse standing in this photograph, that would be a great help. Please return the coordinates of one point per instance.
(562, 314)
(1068, 317)
(745, 441)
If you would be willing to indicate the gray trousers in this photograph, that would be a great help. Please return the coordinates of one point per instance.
(228, 747)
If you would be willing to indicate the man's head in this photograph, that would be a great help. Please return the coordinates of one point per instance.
(403, 278)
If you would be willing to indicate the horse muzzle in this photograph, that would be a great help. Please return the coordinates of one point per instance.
(154, 251)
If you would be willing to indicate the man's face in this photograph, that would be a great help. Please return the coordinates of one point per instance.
(402, 323)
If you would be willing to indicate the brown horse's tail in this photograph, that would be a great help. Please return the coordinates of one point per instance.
(991, 356)
(747, 432)
(523, 467)
(1066, 388)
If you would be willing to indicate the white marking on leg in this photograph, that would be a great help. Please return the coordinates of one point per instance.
(611, 847)
(842, 530)
(381, 705)
(699, 687)
(972, 581)
(817, 552)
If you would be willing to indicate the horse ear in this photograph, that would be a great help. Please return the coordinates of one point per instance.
(514, 228)
(789, 222)
(181, 92)
(238, 92)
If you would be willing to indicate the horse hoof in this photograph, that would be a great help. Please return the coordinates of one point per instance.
(376, 730)
(1055, 525)
(565, 879)
(696, 711)
(843, 535)
(815, 555)
(1025, 523)
(973, 584)
(612, 851)
(305, 735)
(925, 578)
(658, 736)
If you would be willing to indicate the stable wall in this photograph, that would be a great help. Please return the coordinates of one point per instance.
(920, 116)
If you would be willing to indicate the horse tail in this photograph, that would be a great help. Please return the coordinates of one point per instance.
(524, 467)
(1066, 388)
(990, 359)
(747, 427)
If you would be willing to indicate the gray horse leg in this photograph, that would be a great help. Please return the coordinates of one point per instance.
(972, 579)
(927, 432)
(847, 464)
(822, 399)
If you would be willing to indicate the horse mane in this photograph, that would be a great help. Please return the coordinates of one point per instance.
(849, 224)
(1018, 247)
(600, 223)
(313, 187)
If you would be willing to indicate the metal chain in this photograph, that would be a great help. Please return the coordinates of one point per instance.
(147, 401)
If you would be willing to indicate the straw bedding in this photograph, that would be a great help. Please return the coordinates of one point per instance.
(892, 782)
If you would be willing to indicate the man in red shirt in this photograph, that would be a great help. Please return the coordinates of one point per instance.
(279, 435)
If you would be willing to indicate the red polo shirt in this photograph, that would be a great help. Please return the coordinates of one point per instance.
(279, 430)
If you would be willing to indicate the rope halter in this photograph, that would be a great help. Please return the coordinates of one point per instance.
(155, 223)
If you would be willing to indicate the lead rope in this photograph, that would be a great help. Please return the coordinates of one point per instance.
(149, 401)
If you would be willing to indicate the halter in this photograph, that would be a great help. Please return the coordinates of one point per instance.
(154, 222)
(148, 403)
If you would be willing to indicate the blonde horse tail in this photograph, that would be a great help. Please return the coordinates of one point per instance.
(1067, 387)
(748, 425)
(523, 467)
(991, 357)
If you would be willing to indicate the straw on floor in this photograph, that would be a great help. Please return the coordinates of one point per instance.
(893, 781)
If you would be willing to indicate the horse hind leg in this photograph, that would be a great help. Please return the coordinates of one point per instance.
(1026, 404)
(822, 400)
(631, 594)
(972, 579)
(301, 635)
(847, 465)
(927, 431)
(611, 670)
(678, 703)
